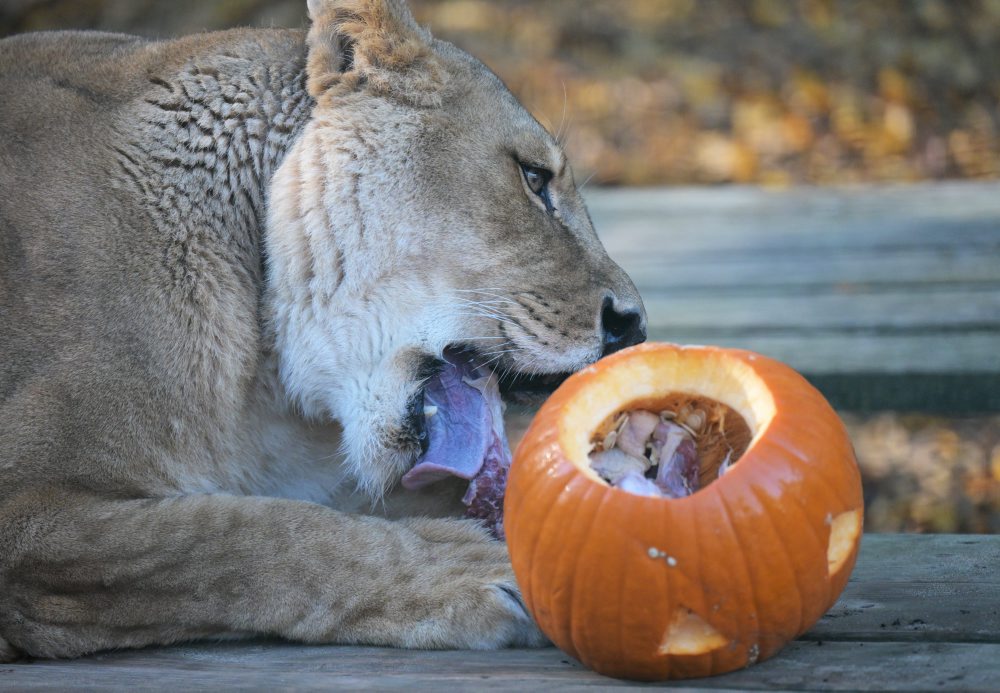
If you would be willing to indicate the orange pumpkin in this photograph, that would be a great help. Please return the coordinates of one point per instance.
(658, 588)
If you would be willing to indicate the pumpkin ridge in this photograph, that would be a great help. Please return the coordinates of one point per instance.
(704, 539)
(746, 567)
(824, 484)
(566, 546)
(819, 542)
(781, 441)
(738, 586)
(796, 573)
(827, 474)
(790, 383)
(665, 586)
(700, 579)
(621, 600)
(542, 535)
(577, 574)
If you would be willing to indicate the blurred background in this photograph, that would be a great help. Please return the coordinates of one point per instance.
(678, 91)
(774, 93)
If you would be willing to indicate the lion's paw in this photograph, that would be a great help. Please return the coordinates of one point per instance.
(463, 593)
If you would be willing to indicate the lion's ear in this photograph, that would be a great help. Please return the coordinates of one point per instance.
(375, 42)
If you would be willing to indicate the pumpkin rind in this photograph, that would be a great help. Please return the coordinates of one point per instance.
(631, 585)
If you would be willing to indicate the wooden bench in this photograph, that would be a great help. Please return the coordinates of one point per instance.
(921, 612)
(885, 298)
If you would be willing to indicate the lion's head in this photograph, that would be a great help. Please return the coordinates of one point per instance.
(423, 208)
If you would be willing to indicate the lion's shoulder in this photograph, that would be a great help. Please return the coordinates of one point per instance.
(125, 162)
(118, 66)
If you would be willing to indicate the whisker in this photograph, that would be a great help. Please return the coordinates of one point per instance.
(562, 120)
(497, 298)
(487, 291)
(584, 184)
(498, 354)
(490, 303)
(485, 307)
(493, 360)
(488, 312)
(478, 314)
(506, 372)
(480, 290)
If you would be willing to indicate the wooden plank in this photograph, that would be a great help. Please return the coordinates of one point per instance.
(260, 665)
(940, 588)
(712, 233)
(845, 270)
(945, 586)
(948, 394)
(801, 665)
(957, 200)
(923, 307)
(884, 297)
(833, 352)
(862, 666)
(944, 372)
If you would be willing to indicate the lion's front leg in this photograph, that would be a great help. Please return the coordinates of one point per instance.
(99, 574)
(455, 589)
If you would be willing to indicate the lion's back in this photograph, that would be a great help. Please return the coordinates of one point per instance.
(58, 92)
(58, 86)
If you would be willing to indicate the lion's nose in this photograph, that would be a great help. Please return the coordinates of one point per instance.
(620, 327)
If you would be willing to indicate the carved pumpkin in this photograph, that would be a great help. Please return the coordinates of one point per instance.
(657, 588)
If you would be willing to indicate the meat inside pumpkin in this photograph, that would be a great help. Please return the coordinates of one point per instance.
(669, 448)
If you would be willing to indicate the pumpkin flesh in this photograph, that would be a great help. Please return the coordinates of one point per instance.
(655, 588)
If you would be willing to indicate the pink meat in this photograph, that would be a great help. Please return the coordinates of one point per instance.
(633, 437)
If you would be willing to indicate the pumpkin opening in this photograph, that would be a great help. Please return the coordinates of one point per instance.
(668, 446)
(713, 381)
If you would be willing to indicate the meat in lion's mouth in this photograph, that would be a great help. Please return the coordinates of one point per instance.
(464, 431)
(465, 436)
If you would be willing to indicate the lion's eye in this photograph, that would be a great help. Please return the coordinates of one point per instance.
(538, 182)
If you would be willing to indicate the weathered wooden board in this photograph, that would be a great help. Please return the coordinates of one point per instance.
(260, 666)
(886, 298)
(902, 213)
(844, 270)
(842, 311)
(944, 590)
(833, 352)
(927, 588)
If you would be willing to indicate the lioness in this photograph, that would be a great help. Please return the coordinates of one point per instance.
(230, 267)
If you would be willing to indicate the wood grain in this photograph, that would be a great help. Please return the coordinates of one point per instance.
(943, 590)
(847, 285)
(919, 588)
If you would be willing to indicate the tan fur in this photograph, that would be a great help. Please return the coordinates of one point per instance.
(225, 261)
(377, 41)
